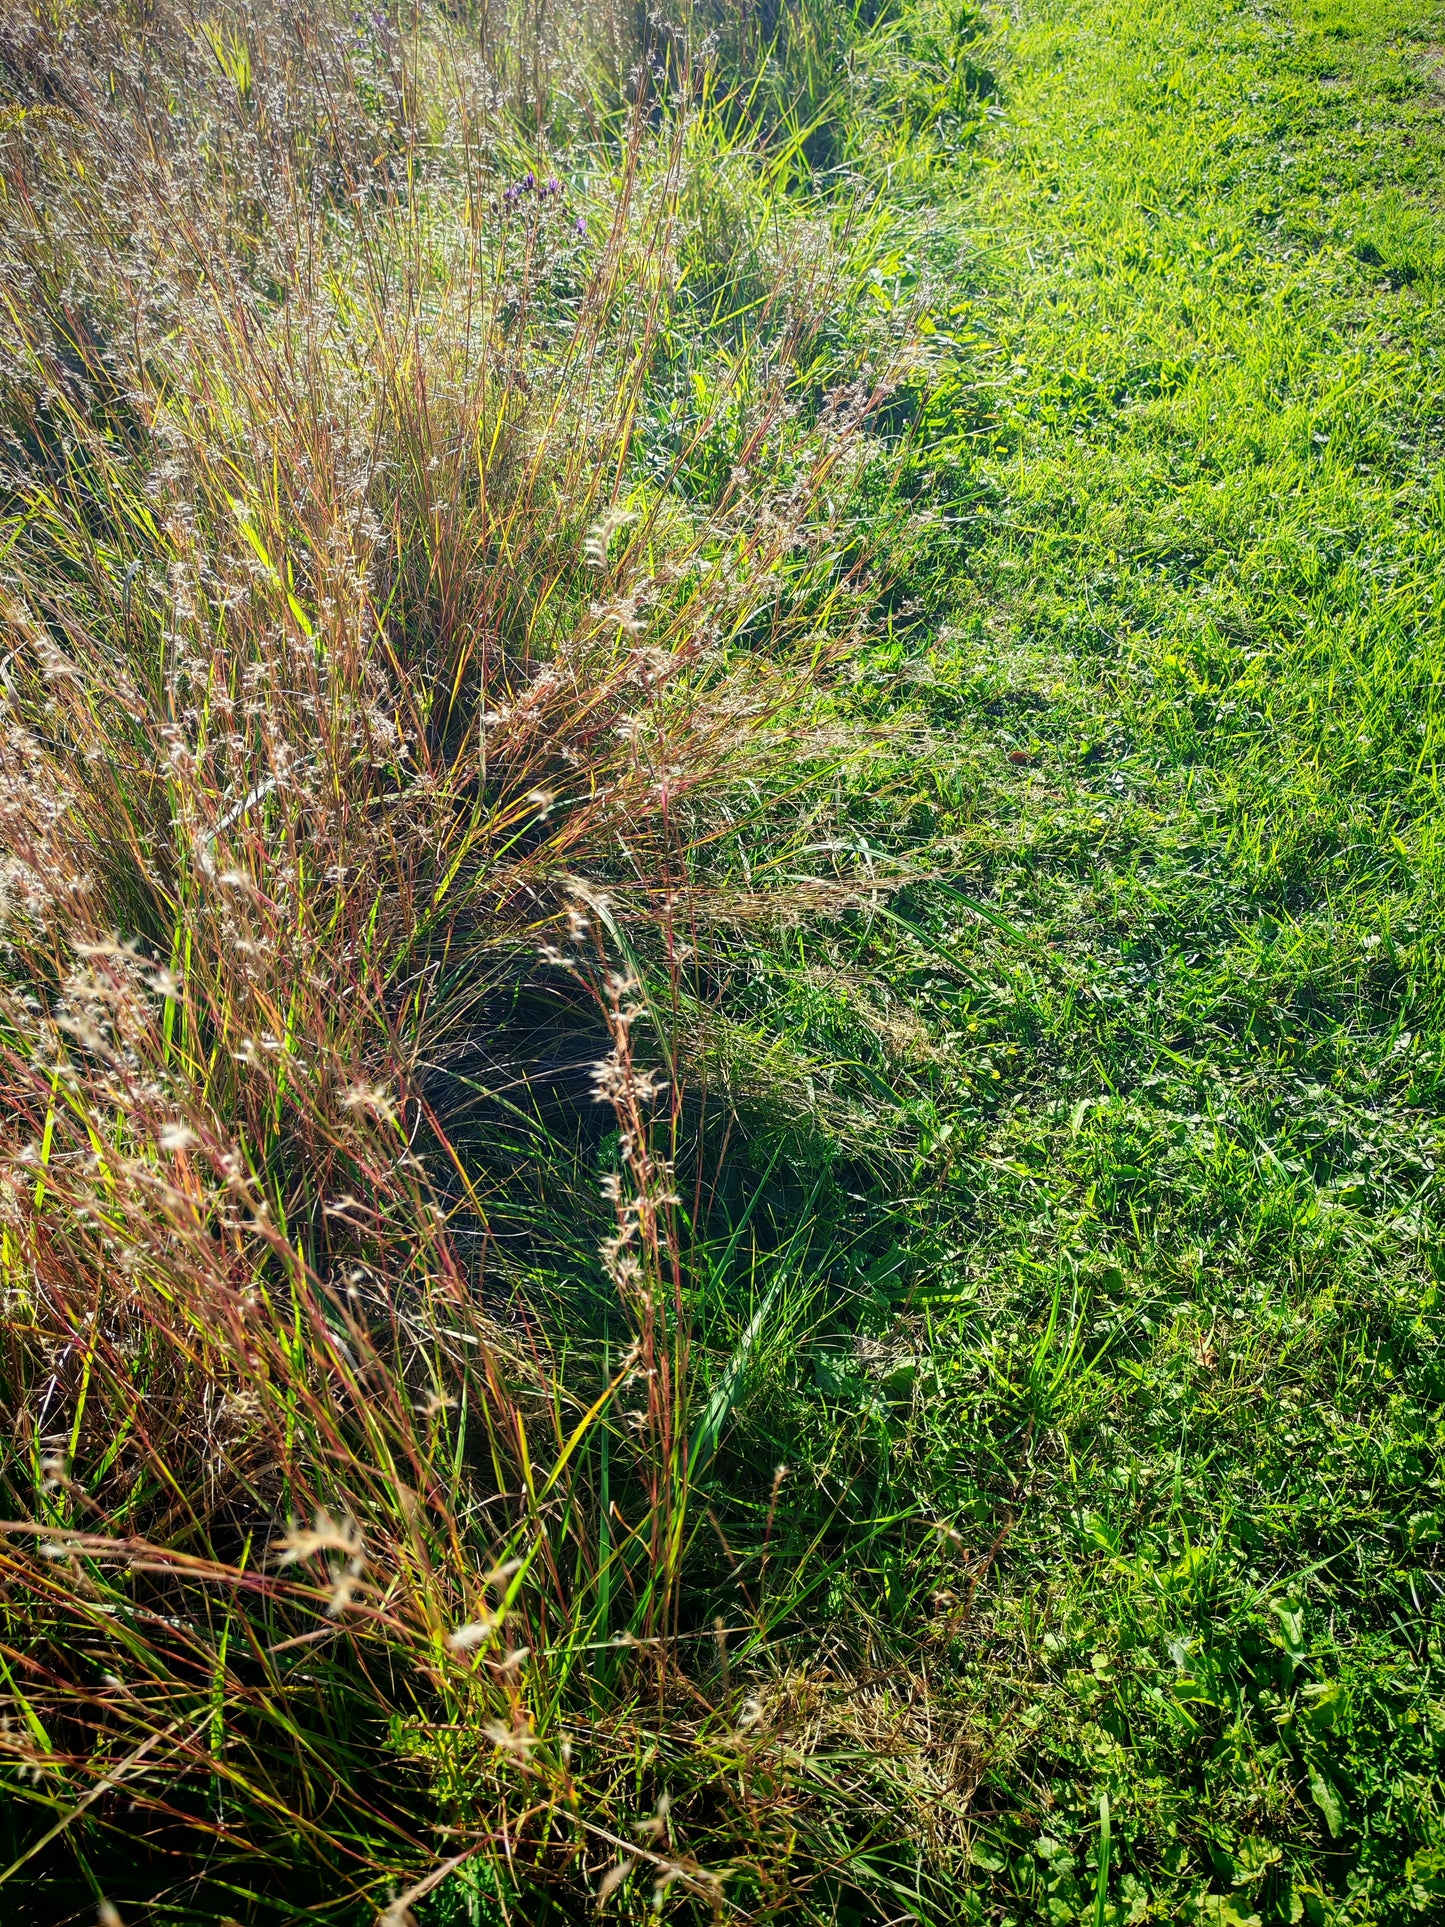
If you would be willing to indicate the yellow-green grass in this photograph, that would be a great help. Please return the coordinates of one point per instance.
(1162, 1329)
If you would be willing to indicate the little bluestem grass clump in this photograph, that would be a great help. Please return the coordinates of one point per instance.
(383, 737)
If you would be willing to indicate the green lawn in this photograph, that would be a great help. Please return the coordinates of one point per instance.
(1165, 1289)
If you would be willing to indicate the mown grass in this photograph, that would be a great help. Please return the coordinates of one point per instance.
(1011, 576)
(1168, 1352)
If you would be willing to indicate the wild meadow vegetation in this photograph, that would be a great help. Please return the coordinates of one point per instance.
(721, 1024)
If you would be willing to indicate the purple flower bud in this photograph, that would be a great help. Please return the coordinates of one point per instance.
(554, 186)
(582, 225)
(529, 180)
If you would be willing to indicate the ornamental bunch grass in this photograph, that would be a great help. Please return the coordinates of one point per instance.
(392, 688)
